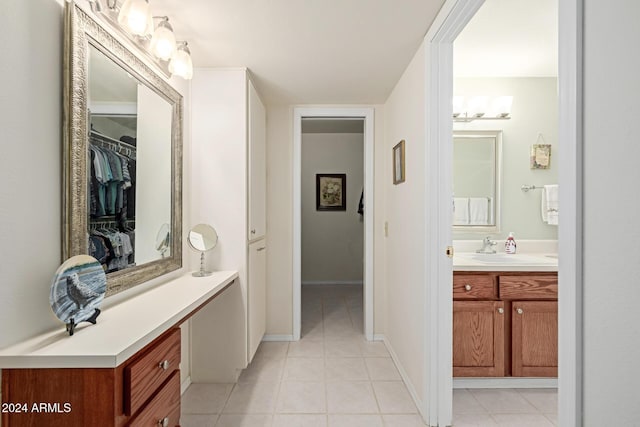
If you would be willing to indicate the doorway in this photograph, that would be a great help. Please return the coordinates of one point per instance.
(453, 18)
(366, 115)
(332, 179)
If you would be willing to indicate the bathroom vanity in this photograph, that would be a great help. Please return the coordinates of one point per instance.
(125, 370)
(505, 316)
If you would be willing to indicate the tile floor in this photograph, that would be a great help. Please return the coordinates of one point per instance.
(505, 407)
(332, 377)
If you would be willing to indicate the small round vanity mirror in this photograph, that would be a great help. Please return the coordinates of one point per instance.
(163, 239)
(203, 238)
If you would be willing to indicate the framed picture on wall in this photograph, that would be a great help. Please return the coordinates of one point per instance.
(540, 156)
(398, 163)
(331, 192)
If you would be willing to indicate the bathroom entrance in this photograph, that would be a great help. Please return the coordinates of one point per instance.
(505, 223)
(440, 296)
(333, 221)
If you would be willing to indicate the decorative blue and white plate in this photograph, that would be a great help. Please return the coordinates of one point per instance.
(77, 291)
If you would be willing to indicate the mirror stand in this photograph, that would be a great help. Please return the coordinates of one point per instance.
(202, 272)
(202, 238)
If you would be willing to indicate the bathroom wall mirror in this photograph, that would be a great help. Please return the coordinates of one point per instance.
(477, 158)
(202, 238)
(123, 157)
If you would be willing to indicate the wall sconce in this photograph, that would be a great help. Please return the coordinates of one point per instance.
(134, 20)
(481, 108)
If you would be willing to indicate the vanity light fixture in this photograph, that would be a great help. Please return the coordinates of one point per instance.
(163, 42)
(482, 108)
(181, 64)
(133, 19)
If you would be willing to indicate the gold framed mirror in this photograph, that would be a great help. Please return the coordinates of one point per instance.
(122, 157)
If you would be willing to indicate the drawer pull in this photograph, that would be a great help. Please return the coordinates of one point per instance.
(164, 365)
(164, 422)
(501, 310)
(519, 311)
(261, 249)
(467, 287)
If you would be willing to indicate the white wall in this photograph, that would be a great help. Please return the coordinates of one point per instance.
(332, 241)
(404, 331)
(535, 111)
(611, 232)
(31, 33)
(280, 219)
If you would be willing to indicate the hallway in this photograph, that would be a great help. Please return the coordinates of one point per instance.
(331, 377)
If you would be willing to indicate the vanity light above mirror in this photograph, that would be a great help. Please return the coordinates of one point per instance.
(481, 108)
(153, 34)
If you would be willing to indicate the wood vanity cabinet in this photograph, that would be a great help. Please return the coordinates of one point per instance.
(143, 391)
(505, 324)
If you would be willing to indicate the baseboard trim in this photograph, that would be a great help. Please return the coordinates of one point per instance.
(405, 377)
(508, 382)
(277, 338)
(185, 385)
(331, 282)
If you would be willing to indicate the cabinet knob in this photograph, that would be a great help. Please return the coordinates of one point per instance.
(164, 422)
(467, 287)
(501, 310)
(164, 365)
(519, 310)
(253, 231)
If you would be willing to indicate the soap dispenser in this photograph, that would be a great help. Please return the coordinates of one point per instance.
(510, 244)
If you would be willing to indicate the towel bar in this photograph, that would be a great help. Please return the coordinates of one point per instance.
(527, 187)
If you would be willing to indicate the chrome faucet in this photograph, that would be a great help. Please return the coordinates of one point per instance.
(487, 246)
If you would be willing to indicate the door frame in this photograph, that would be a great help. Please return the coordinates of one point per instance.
(366, 113)
(452, 18)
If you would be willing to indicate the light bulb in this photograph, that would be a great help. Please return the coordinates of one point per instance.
(477, 106)
(181, 64)
(502, 106)
(458, 104)
(163, 42)
(135, 16)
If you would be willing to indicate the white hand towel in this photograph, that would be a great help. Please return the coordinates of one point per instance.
(478, 211)
(549, 204)
(461, 211)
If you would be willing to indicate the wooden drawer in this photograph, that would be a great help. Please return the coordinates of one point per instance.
(164, 408)
(468, 286)
(529, 287)
(147, 373)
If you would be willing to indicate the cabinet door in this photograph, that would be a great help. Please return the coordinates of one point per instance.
(257, 166)
(534, 338)
(257, 295)
(478, 339)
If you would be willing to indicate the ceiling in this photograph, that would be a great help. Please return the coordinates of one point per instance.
(355, 51)
(306, 51)
(509, 38)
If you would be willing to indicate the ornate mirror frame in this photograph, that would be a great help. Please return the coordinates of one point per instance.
(81, 31)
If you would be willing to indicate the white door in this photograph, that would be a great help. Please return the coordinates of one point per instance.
(257, 166)
(257, 295)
